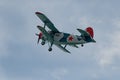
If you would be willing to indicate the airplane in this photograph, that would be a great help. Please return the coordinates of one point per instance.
(61, 39)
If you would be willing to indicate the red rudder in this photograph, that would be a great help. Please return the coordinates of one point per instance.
(90, 31)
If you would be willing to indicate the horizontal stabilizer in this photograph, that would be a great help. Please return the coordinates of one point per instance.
(83, 32)
(93, 41)
(87, 32)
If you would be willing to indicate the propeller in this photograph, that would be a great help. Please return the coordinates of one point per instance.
(39, 36)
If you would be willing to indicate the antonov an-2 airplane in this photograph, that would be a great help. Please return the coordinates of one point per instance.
(60, 39)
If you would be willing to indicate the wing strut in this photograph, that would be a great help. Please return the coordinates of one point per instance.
(65, 46)
(44, 25)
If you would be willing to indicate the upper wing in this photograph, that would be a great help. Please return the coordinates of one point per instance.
(46, 21)
(62, 48)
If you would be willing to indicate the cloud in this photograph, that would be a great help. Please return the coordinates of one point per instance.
(3, 39)
(59, 74)
(17, 39)
(109, 53)
(2, 74)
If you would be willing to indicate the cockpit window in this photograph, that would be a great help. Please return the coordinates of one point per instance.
(57, 34)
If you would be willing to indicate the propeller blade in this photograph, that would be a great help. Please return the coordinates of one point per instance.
(37, 34)
(39, 37)
(38, 40)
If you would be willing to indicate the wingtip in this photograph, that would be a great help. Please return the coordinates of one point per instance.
(38, 13)
(39, 26)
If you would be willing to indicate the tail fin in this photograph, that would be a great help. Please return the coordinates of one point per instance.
(90, 31)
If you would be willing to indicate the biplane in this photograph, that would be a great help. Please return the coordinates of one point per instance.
(61, 39)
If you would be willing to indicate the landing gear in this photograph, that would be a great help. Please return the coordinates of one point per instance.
(50, 46)
(50, 49)
(82, 45)
(43, 43)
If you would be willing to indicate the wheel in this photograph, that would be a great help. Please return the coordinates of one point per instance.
(82, 45)
(50, 49)
(43, 43)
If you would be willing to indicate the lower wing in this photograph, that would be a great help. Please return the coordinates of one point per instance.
(74, 46)
(62, 48)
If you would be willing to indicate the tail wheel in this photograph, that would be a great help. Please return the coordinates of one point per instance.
(82, 45)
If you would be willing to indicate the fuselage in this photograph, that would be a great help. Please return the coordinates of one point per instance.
(66, 38)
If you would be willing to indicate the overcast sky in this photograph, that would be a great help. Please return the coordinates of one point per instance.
(22, 59)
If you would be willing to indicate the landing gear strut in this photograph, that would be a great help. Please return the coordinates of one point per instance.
(50, 48)
(65, 46)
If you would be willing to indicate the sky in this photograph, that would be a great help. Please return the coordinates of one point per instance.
(22, 59)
